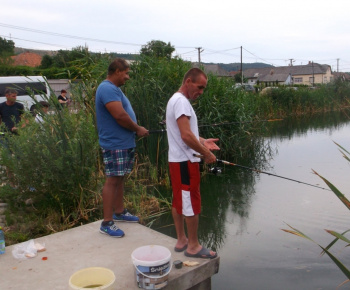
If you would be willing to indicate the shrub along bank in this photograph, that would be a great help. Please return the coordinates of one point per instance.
(58, 165)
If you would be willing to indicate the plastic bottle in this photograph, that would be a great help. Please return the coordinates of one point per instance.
(2, 241)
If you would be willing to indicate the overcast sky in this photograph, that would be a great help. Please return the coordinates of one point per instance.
(270, 31)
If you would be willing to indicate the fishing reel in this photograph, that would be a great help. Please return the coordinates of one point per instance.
(215, 170)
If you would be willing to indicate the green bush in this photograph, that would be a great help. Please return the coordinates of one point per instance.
(56, 163)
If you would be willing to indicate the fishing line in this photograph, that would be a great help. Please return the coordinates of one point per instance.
(264, 172)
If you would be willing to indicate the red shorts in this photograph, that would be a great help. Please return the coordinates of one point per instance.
(185, 180)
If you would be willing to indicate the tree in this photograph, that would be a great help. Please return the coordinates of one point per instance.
(63, 58)
(157, 48)
(238, 78)
(7, 49)
(7, 46)
(46, 61)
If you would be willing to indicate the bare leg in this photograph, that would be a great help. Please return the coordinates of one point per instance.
(180, 229)
(192, 228)
(112, 195)
(118, 198)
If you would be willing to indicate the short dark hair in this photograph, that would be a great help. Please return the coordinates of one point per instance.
(63, 91)
(10, 91)
(43, 104)
(193, 74)
(118, 64)
(35, 107)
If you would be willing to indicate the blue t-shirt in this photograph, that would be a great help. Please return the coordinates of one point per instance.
(112, 136)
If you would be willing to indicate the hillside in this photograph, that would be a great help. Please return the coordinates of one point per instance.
(236, 66)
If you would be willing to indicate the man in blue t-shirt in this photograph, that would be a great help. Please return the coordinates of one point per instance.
(117, 127)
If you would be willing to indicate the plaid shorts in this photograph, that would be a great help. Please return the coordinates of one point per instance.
(118, 162)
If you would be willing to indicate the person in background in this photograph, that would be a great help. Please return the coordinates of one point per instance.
(117, 127)
(184, 143)
(10, 115)
(62, 99)
(41, 108)
(11, 111)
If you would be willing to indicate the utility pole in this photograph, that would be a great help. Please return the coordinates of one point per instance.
(241, 67)
(337, 64)
(291, 61)
(199, 54)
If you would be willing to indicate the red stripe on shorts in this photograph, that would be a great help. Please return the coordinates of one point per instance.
(185, 182)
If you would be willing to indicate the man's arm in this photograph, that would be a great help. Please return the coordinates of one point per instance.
(116, 109)
(191, 140)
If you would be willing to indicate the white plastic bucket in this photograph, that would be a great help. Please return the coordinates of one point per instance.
(92, 278)
(153, 265)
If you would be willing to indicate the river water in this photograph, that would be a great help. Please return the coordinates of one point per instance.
(243, 213)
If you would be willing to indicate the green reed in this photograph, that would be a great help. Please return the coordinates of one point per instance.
(61, 159)
(337, 236)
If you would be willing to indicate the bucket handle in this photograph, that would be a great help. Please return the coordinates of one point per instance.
(152, 277)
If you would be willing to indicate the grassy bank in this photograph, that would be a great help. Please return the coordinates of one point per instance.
(57, 168)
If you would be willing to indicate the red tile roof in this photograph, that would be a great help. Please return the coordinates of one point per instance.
(27, 59)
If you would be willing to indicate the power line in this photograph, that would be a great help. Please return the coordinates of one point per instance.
(206, 52)
(34, 41)
(66, 35)
(257, 56)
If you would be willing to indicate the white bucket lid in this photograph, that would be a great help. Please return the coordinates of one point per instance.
(151, 255)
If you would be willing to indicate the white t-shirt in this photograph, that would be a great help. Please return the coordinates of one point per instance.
(39, 119)
(179, 105)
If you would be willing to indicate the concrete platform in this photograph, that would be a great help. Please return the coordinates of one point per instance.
(82, 247)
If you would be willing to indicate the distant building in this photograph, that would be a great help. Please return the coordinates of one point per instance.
(310, 74)
(342, 76)
(214, 69)
(27, 59)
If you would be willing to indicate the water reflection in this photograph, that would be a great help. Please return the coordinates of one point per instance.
(304, 125)
(243, 212)
(220, 195)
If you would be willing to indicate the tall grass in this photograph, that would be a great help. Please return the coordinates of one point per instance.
(59, 164)
(55, 164)
(327, 97)
(152, 82)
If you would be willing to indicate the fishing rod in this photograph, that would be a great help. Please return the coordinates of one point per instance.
(259, 171)
(216, 124)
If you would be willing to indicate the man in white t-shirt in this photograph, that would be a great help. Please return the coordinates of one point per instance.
(184, 141)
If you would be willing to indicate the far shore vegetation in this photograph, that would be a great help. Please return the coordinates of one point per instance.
(56, 168)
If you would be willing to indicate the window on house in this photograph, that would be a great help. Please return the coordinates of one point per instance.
(325, 79)
(298, 80)
(311, 80)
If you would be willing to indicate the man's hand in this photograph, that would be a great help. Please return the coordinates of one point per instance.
(209, 157)
(210, 143)
(142, 131)
(14, 129)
